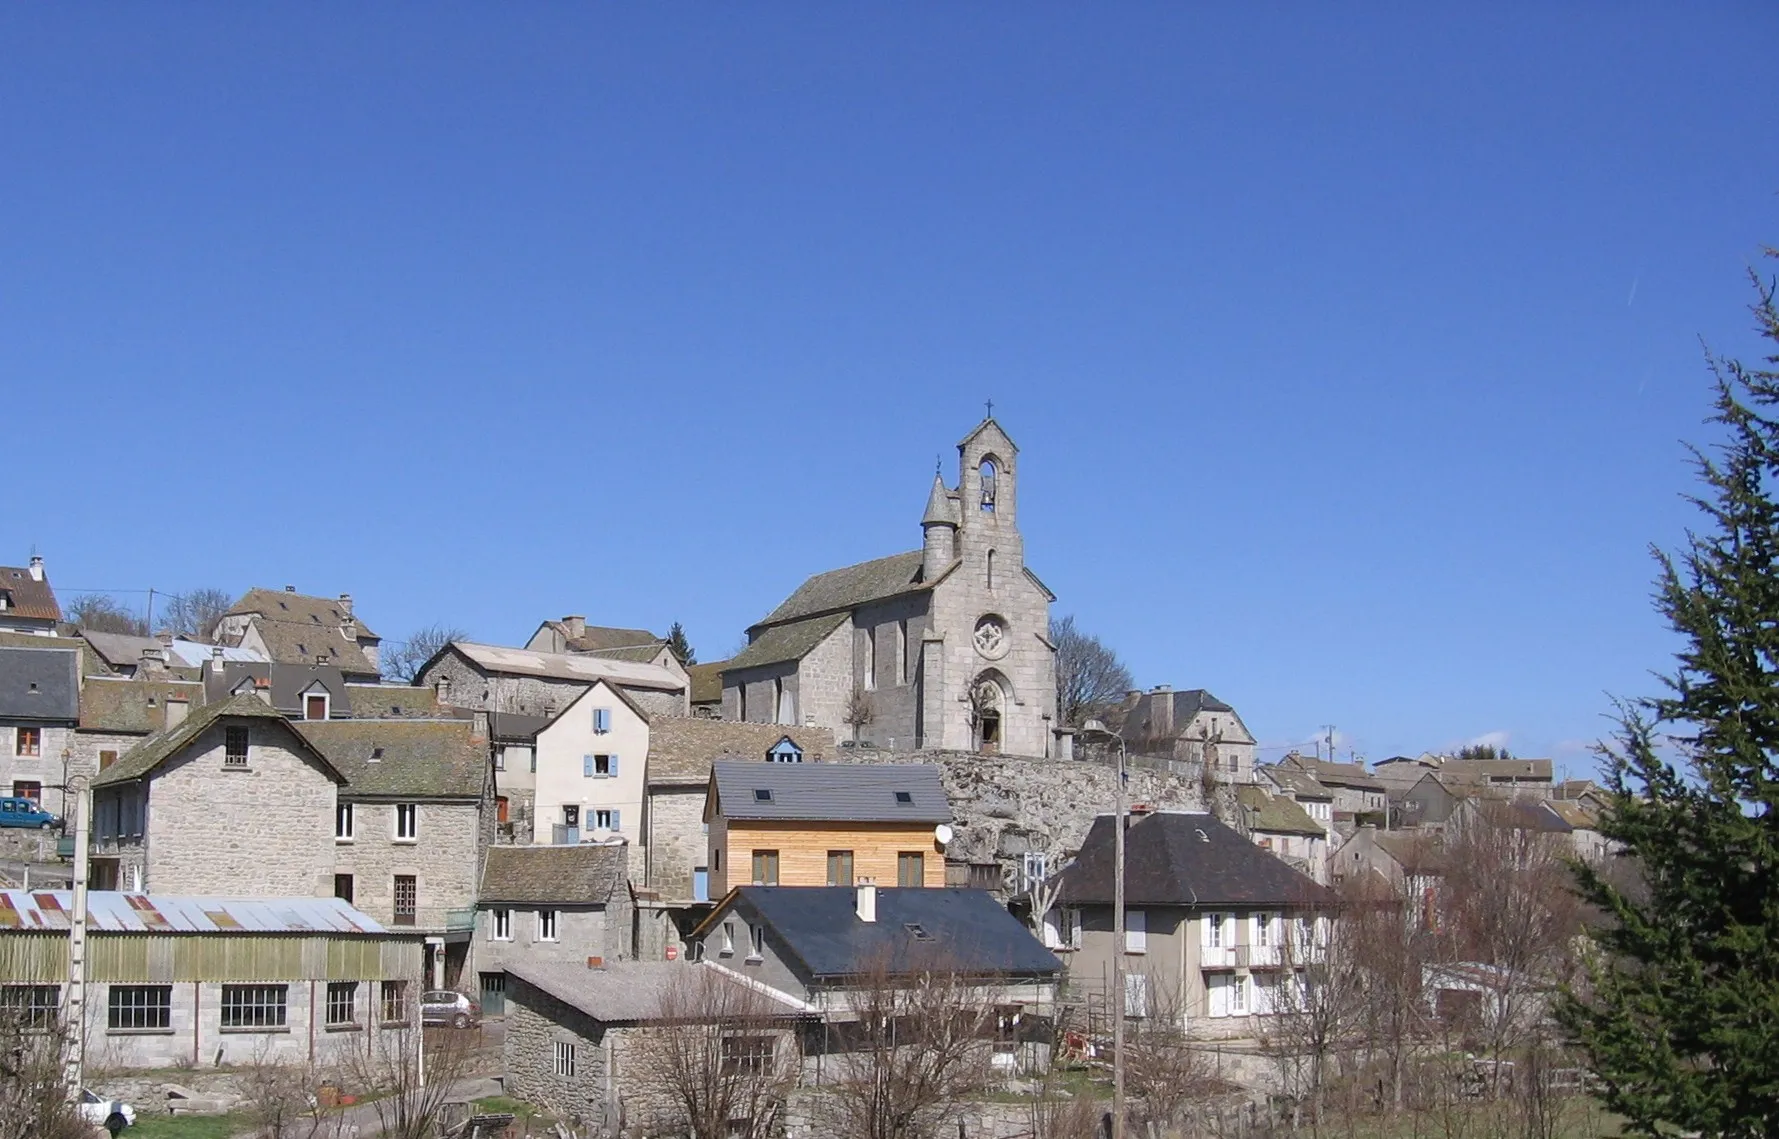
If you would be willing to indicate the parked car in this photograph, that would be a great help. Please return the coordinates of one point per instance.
(441, 1006)
(25, 813)
(112, 1114)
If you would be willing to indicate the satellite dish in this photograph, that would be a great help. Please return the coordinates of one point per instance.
(601, 834)
(942, 834)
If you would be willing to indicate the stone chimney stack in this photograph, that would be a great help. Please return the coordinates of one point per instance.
(36, 568)
(576, 627)
(216, 659)
(1161, 710)
(346, 604)
(153, 660)
(867, 900)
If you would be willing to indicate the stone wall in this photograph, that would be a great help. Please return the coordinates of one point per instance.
(896, 695)
(472, 688)
(44, 768)
(444, 859)
(536, 1022)
(825, 682)
(581, 932)
(676, 840)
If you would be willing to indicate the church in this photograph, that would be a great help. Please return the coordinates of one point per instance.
(947, 646)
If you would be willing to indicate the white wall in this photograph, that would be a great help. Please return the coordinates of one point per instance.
(561, 765)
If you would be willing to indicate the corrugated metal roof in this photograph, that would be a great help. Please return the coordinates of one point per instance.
(837, 792)
(111, 911)
(528, 662)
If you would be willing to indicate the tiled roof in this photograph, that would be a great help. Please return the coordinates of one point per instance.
(129, 706)
(438, 759)
(297, 628)
(962, 930)
(681, 748)
(1487, 770)
(566, 666)
(620, 992)
(1139, 721)
(837, 792)
(597, 638)
(1181, 859)
(516, 727)
(779, 643)
(1301, 784)
(110, 911)
(1416, 853)
(28, 596)
(1330, 774)
(285, 605)
(643, 653)
(40, 684)
(1576, 815)
(588, 874)
(850, 587)
(707, 681)
(1274, 814)
(151, 752)
(397, 702)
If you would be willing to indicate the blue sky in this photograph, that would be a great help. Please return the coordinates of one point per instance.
(1349, 354)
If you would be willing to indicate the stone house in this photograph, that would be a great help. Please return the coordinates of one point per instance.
(27, 603)
(1280, 825)
(491, 678)
(707, 688)
(793, 823)
(117, 713)
(411, 823)
(1356, 791)
(232, 801)
(1190, 725)
(1303, 789)
(294, 628)
(551, 905)
(184, 982)
(180, 657)
(1412, 863)
(681, 751)
(512, 750)
(942, 647)
(39, 710)
(1217, 930)
(574, 635)
(590, 762)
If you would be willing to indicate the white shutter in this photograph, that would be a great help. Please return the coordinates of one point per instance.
(1052, 931)
(1219, 994)
(1136, 932)
(1075, 929)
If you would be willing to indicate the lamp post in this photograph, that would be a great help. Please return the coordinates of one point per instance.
(1096, 727)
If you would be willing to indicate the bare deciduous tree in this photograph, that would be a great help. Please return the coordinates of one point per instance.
(408, 1091)
(1089, 676)
(402, 660)
(195, 612)
(34, 1100)
(918, 1048)
(1164, 1071)
(859, 711)
(1317, 999)
(719, 1064)
(282, 1100)
(103, 613)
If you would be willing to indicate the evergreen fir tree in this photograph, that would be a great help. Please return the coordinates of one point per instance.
(1679, 1012)
(682, 648)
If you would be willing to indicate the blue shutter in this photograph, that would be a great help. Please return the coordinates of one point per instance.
(612, 765)
(602, 720)
(615, 824)
(587, 766)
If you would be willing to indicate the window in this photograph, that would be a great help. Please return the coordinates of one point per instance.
(546, 925)
(343, 887)
(234, 749)
(785, 751)
(1136, 931)
(762, 795)
(987, 475)
(140, 1008)
(500, 759)
(1238, 995)
(253, 1006)
(407, 822)
(395, 1001)
(28, 789)
(728, 938)
(1136, 994)
(36, 1006)
(911, 868)
(315, 706)
(1263, 931)
(407, 898)
(756, 942)
(765, 867)
(917, 931)
(29, 741)
(599, 766)
(902, 652)
(839, 867)
(606, 819)
(1214, 931)
(500, 925)
(746, 1054)
(564, 1059)
(904, 798)
(343, 822)
(870, 658)
(106, 759)
(342, 1003)
(602, 721)
(533, 754)
(991, 571)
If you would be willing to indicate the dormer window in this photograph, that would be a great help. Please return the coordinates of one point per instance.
(917, 931)
(785, 751)
(762, 795)
(316, 705)
(904, 798)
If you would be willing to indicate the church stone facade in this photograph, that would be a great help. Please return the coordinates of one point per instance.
(943, 647)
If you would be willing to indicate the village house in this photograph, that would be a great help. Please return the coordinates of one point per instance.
(512, 750)
(791, 823)
(492, 678)
(117, 713)
(1282, 826)
(590, 760)
(574, 635)
(707, 688)
(545, 905)
(1216, 929)
(1413, 863)
(27, 603)
(942, 647)
(1356, 791)
(1302, 788)
(188, 982)
(294, 628)
(39, 710)
(1190, 725)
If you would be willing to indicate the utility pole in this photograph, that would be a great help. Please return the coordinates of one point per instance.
(74, 1069)
(1096, 727)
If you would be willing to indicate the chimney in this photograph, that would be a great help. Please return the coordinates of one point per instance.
(479, 724)
(867, 892)
(443, 689)
(575, 626)
(152, 660)
(36, 568)
(290, 589)
(346, 604)
(176, 710)
(262, 687)
(1161, 711)
(216, 658)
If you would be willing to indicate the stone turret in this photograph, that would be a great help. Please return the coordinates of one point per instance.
(939, 525)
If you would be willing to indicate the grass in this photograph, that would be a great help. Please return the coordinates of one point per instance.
(163, 1126)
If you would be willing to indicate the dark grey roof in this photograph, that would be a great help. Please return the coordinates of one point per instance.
(516, 727)
(588, 874)
(682, 748)
(289, 683)
(941, 506)
(779, 643)
(420, 759)
(40, 684)
(840, 792)
(1180, 859)
(819, 928)
(1140, 719)
(156, 749)
(850, 587)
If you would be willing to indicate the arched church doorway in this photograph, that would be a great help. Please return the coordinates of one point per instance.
(986, 704)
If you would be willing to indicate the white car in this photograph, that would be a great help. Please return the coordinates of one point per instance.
(105, 1112)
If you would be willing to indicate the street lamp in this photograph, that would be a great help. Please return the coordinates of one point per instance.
(1096, 727)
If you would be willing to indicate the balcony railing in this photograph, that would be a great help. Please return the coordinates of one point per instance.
(460, 919)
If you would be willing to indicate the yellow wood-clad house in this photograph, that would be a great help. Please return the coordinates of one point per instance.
(825, 824)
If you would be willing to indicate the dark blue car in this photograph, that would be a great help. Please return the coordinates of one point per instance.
(25, 813)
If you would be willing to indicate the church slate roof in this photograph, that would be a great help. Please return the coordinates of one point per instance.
(781, 643)
(849, 587)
